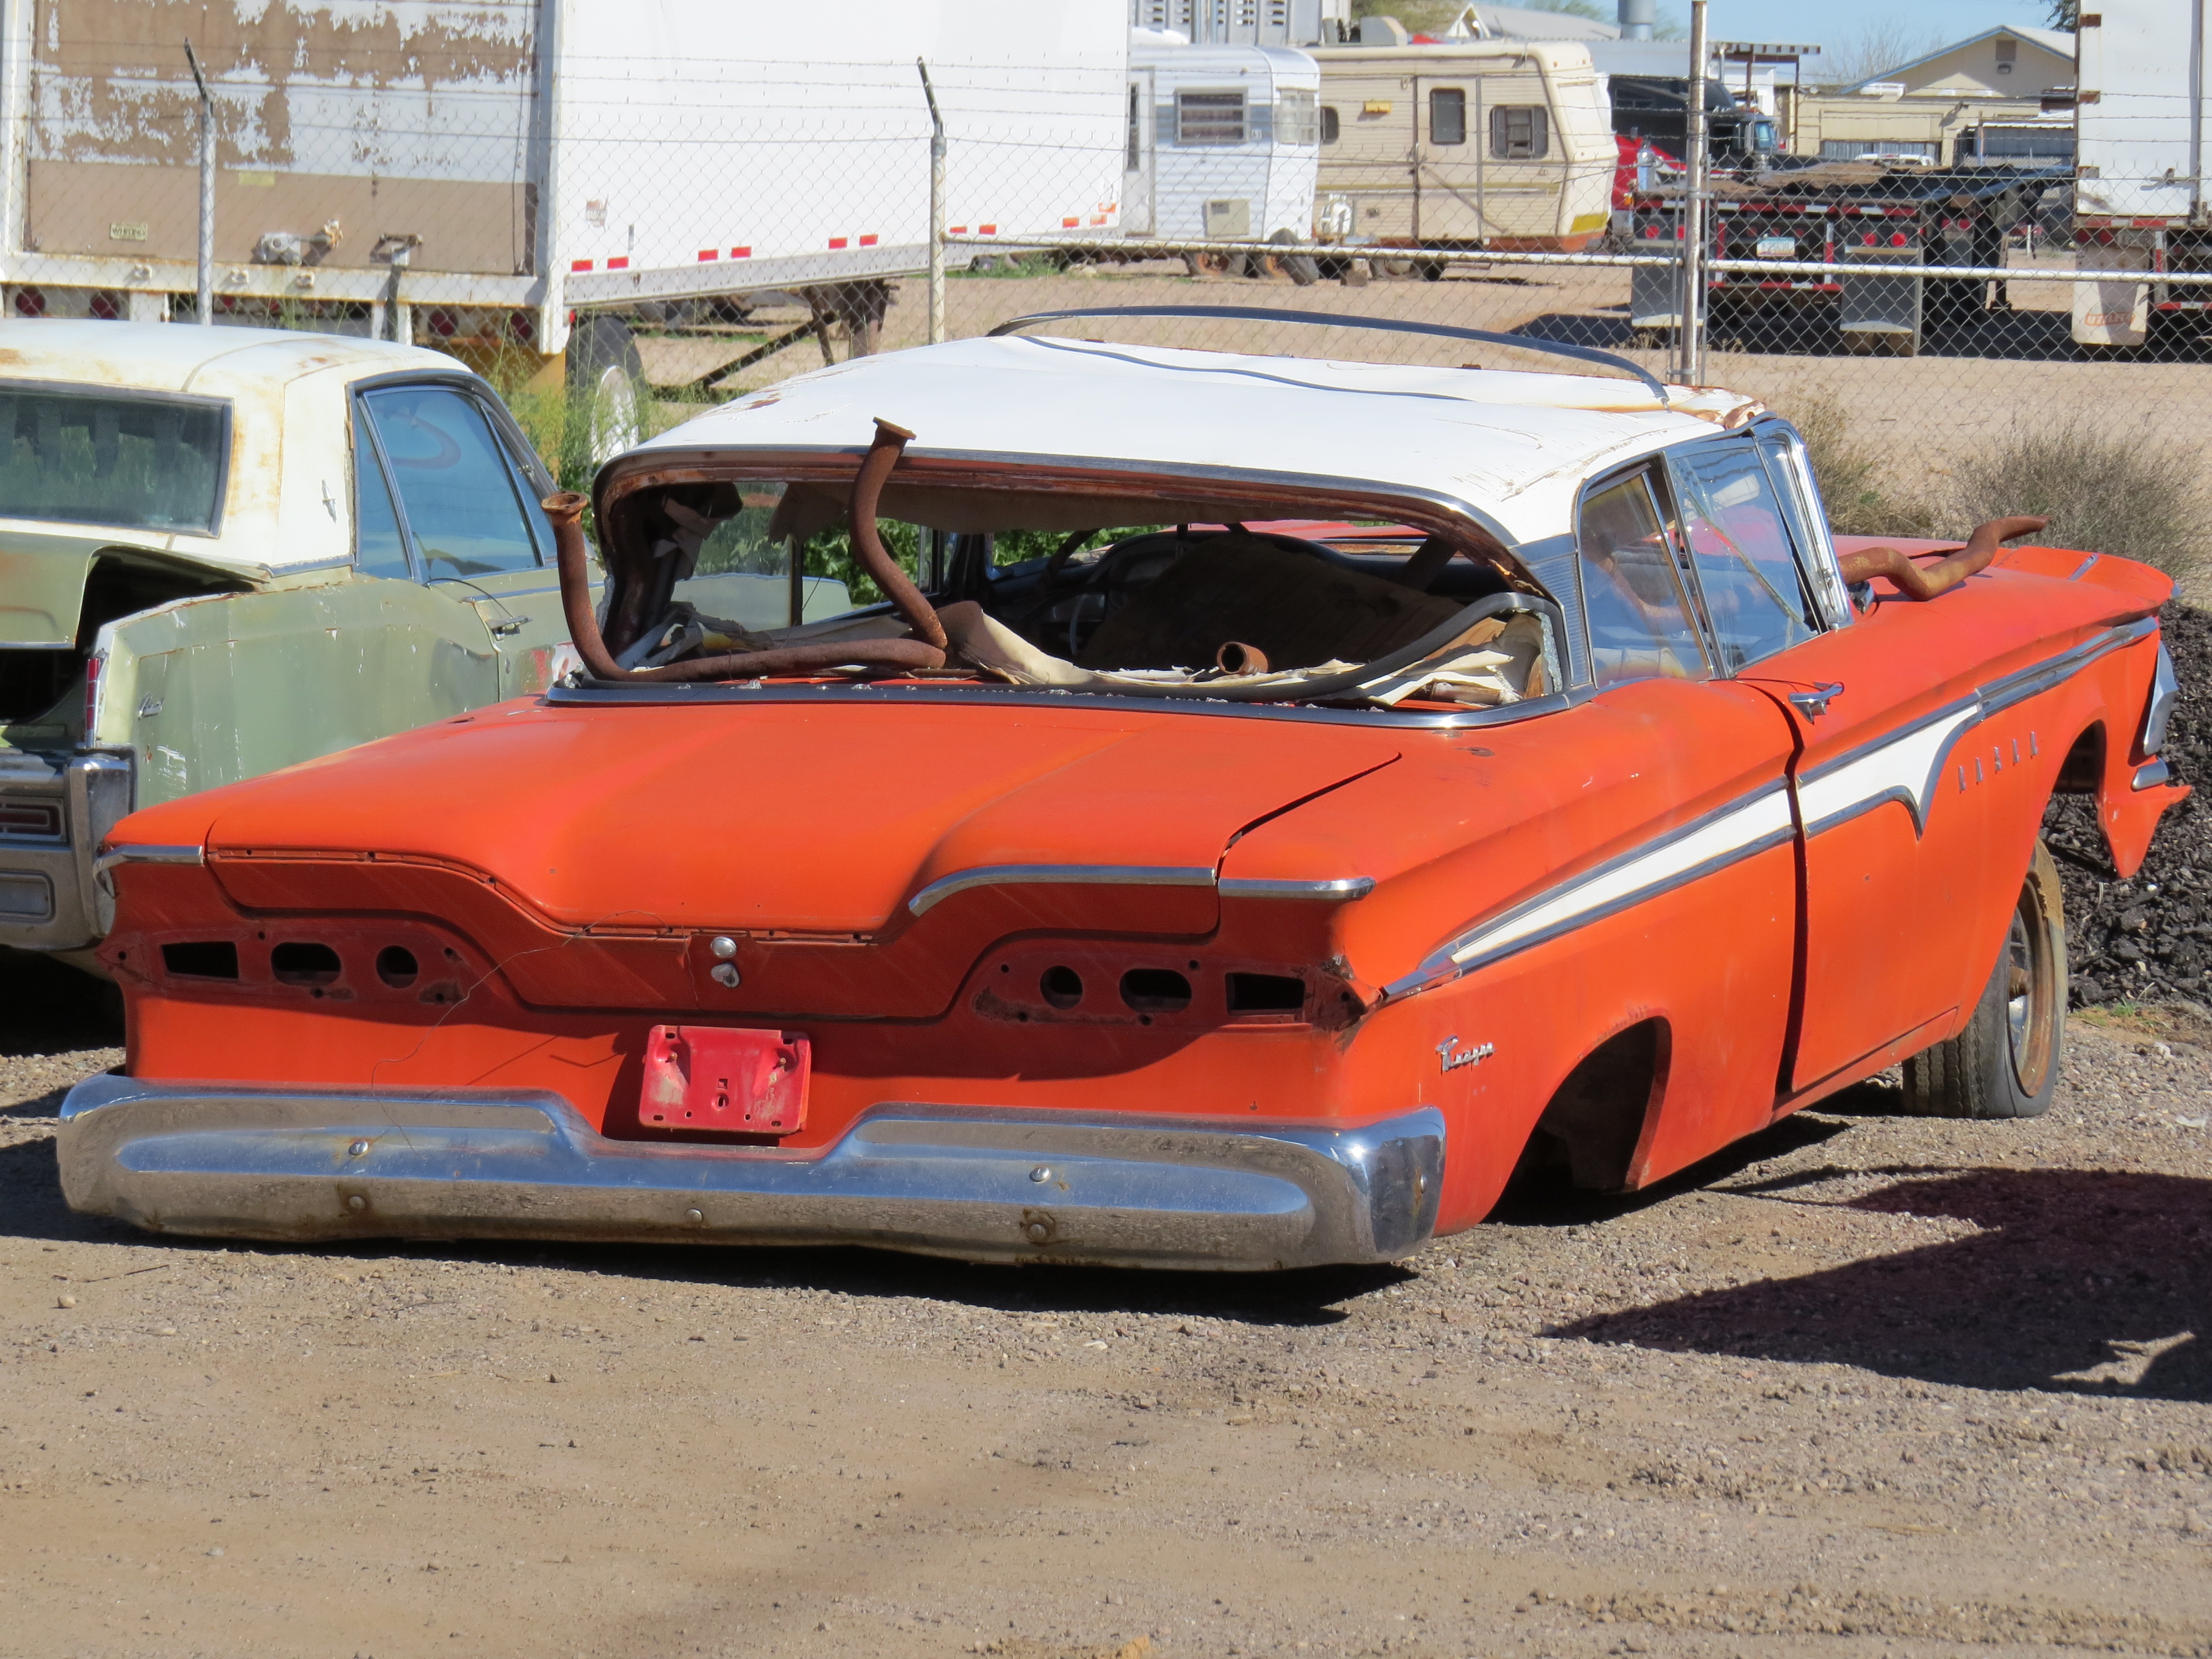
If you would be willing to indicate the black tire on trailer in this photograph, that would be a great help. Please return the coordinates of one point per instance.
(607, 377)
(2005, 1063)
(1302, 269)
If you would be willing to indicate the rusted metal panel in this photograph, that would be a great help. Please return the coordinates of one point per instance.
(718, 1079)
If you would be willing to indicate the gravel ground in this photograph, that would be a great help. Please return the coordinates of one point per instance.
(1867, 1385)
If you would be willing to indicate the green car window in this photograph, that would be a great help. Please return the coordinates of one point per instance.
(378, 547)
(131, 460)
(455, 486)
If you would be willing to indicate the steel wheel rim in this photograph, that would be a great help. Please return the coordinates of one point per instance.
(2029, 989)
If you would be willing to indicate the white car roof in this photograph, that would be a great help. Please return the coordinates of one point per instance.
(1510, 447)
(287, 499)
(217, 362)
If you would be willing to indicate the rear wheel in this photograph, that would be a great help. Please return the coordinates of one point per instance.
(2005, 1063)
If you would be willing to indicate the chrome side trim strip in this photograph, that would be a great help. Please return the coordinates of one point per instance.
(1342, 887)
(1905, 766)
(2082, 568)
(1729, 835)
(1148, 1189)
(2165, 689)
(1061, 875)
(146, 852)
(2152, 776)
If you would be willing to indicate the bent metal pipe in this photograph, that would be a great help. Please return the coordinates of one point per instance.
(1917, 583)
(566, 510)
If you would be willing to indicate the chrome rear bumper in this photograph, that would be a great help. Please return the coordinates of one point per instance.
(981, 1184)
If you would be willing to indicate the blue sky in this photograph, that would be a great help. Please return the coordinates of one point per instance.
(1826, 23)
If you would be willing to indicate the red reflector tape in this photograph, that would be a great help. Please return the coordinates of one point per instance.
(710, 253)
(741, 253)
(867, 241)
(986, 230)
(837, 242)
(579, 264)
(621, 263)
(1069, 224)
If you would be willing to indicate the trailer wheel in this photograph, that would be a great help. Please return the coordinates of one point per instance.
(1302, 269)
(2005, 1063)
(607, 377)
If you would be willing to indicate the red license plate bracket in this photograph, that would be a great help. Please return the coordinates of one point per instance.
(733, 1081)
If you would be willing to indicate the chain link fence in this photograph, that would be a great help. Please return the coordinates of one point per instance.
(650, 229)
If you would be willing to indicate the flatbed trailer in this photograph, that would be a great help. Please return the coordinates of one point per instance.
(1851, 213)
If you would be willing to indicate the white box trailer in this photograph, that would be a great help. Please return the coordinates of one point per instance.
(480, 171)
(1224, 139)
(2139, 198)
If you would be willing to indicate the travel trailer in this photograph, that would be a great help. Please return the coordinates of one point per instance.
(1499, 144)
(1222, 142)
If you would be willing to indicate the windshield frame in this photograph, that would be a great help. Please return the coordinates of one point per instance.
(224, 408)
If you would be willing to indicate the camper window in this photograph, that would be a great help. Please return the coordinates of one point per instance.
(1210, 117)
(1294, 116)
(1330, 128)
(1447, 116)
(1520, 132)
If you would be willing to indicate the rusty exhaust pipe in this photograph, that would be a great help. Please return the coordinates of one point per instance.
(1916, 583)
(566, 511)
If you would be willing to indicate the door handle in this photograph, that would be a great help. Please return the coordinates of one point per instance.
(1815, 703)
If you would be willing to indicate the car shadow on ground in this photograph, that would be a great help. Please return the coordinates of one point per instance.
(2079, 1281)
(52, 1008)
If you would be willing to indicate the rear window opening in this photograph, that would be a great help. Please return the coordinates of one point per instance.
(1267, 994)
(1152, 595)
(298, 963)
(215, 958)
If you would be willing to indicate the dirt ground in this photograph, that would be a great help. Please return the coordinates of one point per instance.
(1866, 1386)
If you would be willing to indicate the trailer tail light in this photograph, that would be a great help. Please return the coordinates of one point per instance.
(30, 302)
(442, 325)
(522, 327)
(1898, 239)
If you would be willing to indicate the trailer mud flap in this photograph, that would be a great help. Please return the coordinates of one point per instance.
(2111, 313)
(1879, 315)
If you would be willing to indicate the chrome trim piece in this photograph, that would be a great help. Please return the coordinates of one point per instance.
(2152, 775)
(1743, 827)
(1060, 875)
(1334, 320)
(2165, 688)
(1266, 887)
(752, 693)
(2023, 684)
(94, 792)
(149, 853)
(2082, 568)
(1152, 1190)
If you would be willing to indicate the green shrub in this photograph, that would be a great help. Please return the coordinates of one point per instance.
(2106, 486)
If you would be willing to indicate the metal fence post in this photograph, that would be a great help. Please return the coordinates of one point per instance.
(207, 191)
(936, 209)
(1690, 329)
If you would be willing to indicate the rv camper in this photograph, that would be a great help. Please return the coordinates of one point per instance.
(1222, 140)
(1499, 144)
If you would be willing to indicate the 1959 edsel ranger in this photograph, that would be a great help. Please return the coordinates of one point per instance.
(1291, 797)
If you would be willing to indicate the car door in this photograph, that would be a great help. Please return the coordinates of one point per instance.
(1709, 782)
(447, 493)
(1890, 856)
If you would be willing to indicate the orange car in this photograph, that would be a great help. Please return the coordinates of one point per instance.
(1288, 797)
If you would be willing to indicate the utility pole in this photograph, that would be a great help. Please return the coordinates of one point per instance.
(1689, 332)
(936, 209)
(207, 191)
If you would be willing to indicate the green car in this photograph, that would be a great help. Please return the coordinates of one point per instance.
(224, 550)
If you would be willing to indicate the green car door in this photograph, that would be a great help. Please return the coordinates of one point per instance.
(449, 603)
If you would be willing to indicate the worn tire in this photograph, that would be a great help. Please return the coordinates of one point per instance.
(606, 373)
(1302, 269)
(2005, 1063)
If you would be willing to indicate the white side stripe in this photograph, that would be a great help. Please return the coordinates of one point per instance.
(1734, 833)
(1903, 768)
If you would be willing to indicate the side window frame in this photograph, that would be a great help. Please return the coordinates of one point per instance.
(525, 473)
(360, 428)
(1658, 483)
(1448, 97)
(1686, 559)
(1793, 479)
